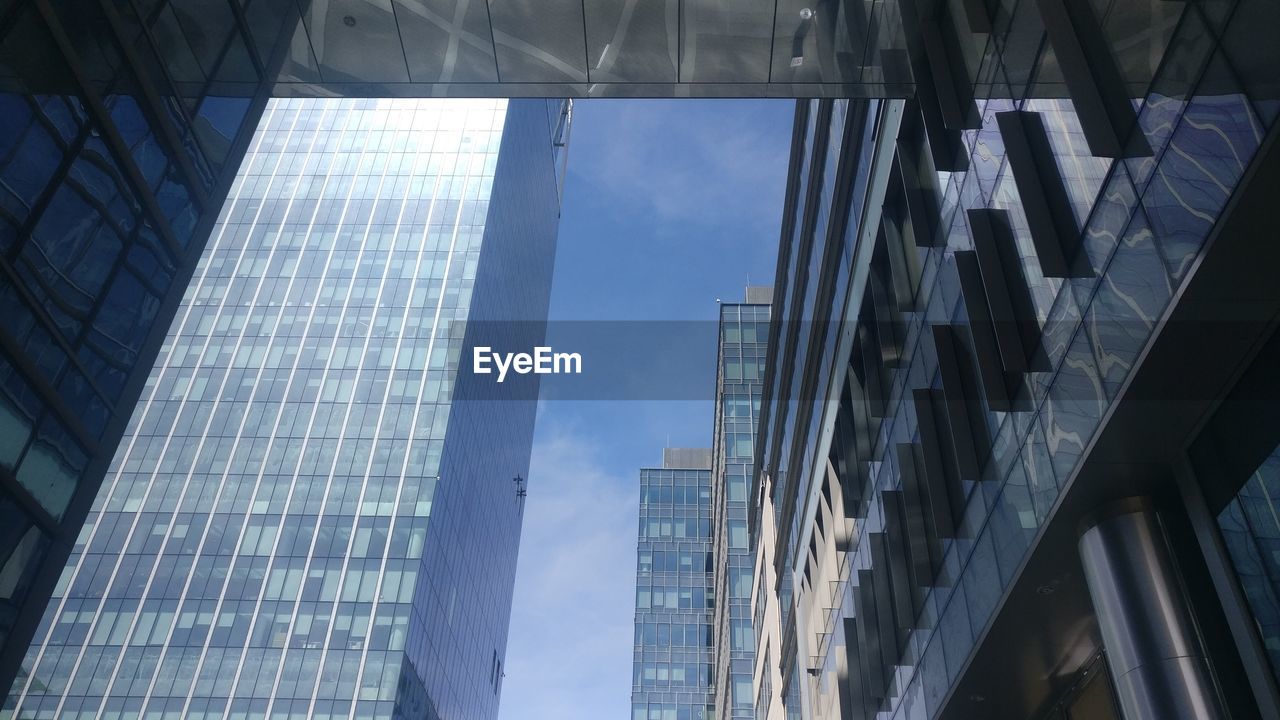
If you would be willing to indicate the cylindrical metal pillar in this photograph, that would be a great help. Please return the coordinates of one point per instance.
(1158, 664)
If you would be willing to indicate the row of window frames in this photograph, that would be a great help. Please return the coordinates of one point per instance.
(680, 528)
(410, 409)
(730, 313)
(361, 203)
(736, 370)
(289, 422)
(470, 180)
(303, 451)
(352, 462)
(376, 240)
(131, 708)
(276, 137)
(341, 499)
(333, 537)
(388, 282)
(373, 242)
(192, 625)
(382, 497)
(673, 598)
(389, 292)
(671, 711)
(664, 476)
(238, 495)
(311, 499)
(661, 634)
(246, 582)
(363, 582)
(744, 333)
(310, 156)
(345, 497)
(356, 322)
(334, 529)
(412, 354)
(256, 667)
(297, 333)
(295, 415)
(331, 388)
(298, 536)
(400, 263)
(257, 492)
(744, 405)
(678, 675)
(753, 350)
(363, 247)
(266, 495)
(412, 201)
(740, 425)
(383, 113)
(660, 561)
(411, 316)
(394, 118)
(381, 148)
(311, 402)
(674, 494)
(740, 445)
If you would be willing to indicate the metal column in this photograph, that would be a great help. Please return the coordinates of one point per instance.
(1158, 665)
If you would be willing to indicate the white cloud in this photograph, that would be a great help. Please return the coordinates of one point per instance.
(569, 652)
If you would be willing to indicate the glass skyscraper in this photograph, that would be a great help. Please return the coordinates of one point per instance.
(113, 168)
(744, 334)
(694, 639)
(288, 529)
(671, 669)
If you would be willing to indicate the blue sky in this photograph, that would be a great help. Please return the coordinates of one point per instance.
(668, 205)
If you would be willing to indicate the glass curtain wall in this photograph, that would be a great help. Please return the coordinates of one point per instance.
(672, 671)
(256, 547)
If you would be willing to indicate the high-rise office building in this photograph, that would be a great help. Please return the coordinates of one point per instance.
(114, 165)
(122, 126)
(1019, 420)
(671, 665)
(694, 642)
(311, 514)
(744, 330)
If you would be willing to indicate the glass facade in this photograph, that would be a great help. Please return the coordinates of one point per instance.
(672, 673)
(744, 332)
(912, 409)
(123, 125)
(112, 171)
(1236, 460)
(1250, 526)
(1143, 221)
(278, 534)
(663, 48)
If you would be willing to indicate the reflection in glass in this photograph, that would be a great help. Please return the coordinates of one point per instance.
(724, 41)
(1250, 526)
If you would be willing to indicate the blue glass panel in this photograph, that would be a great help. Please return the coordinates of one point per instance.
(1251, 531)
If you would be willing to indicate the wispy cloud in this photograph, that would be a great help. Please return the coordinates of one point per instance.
(729, 164)
(572, 624)
(667, 206)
